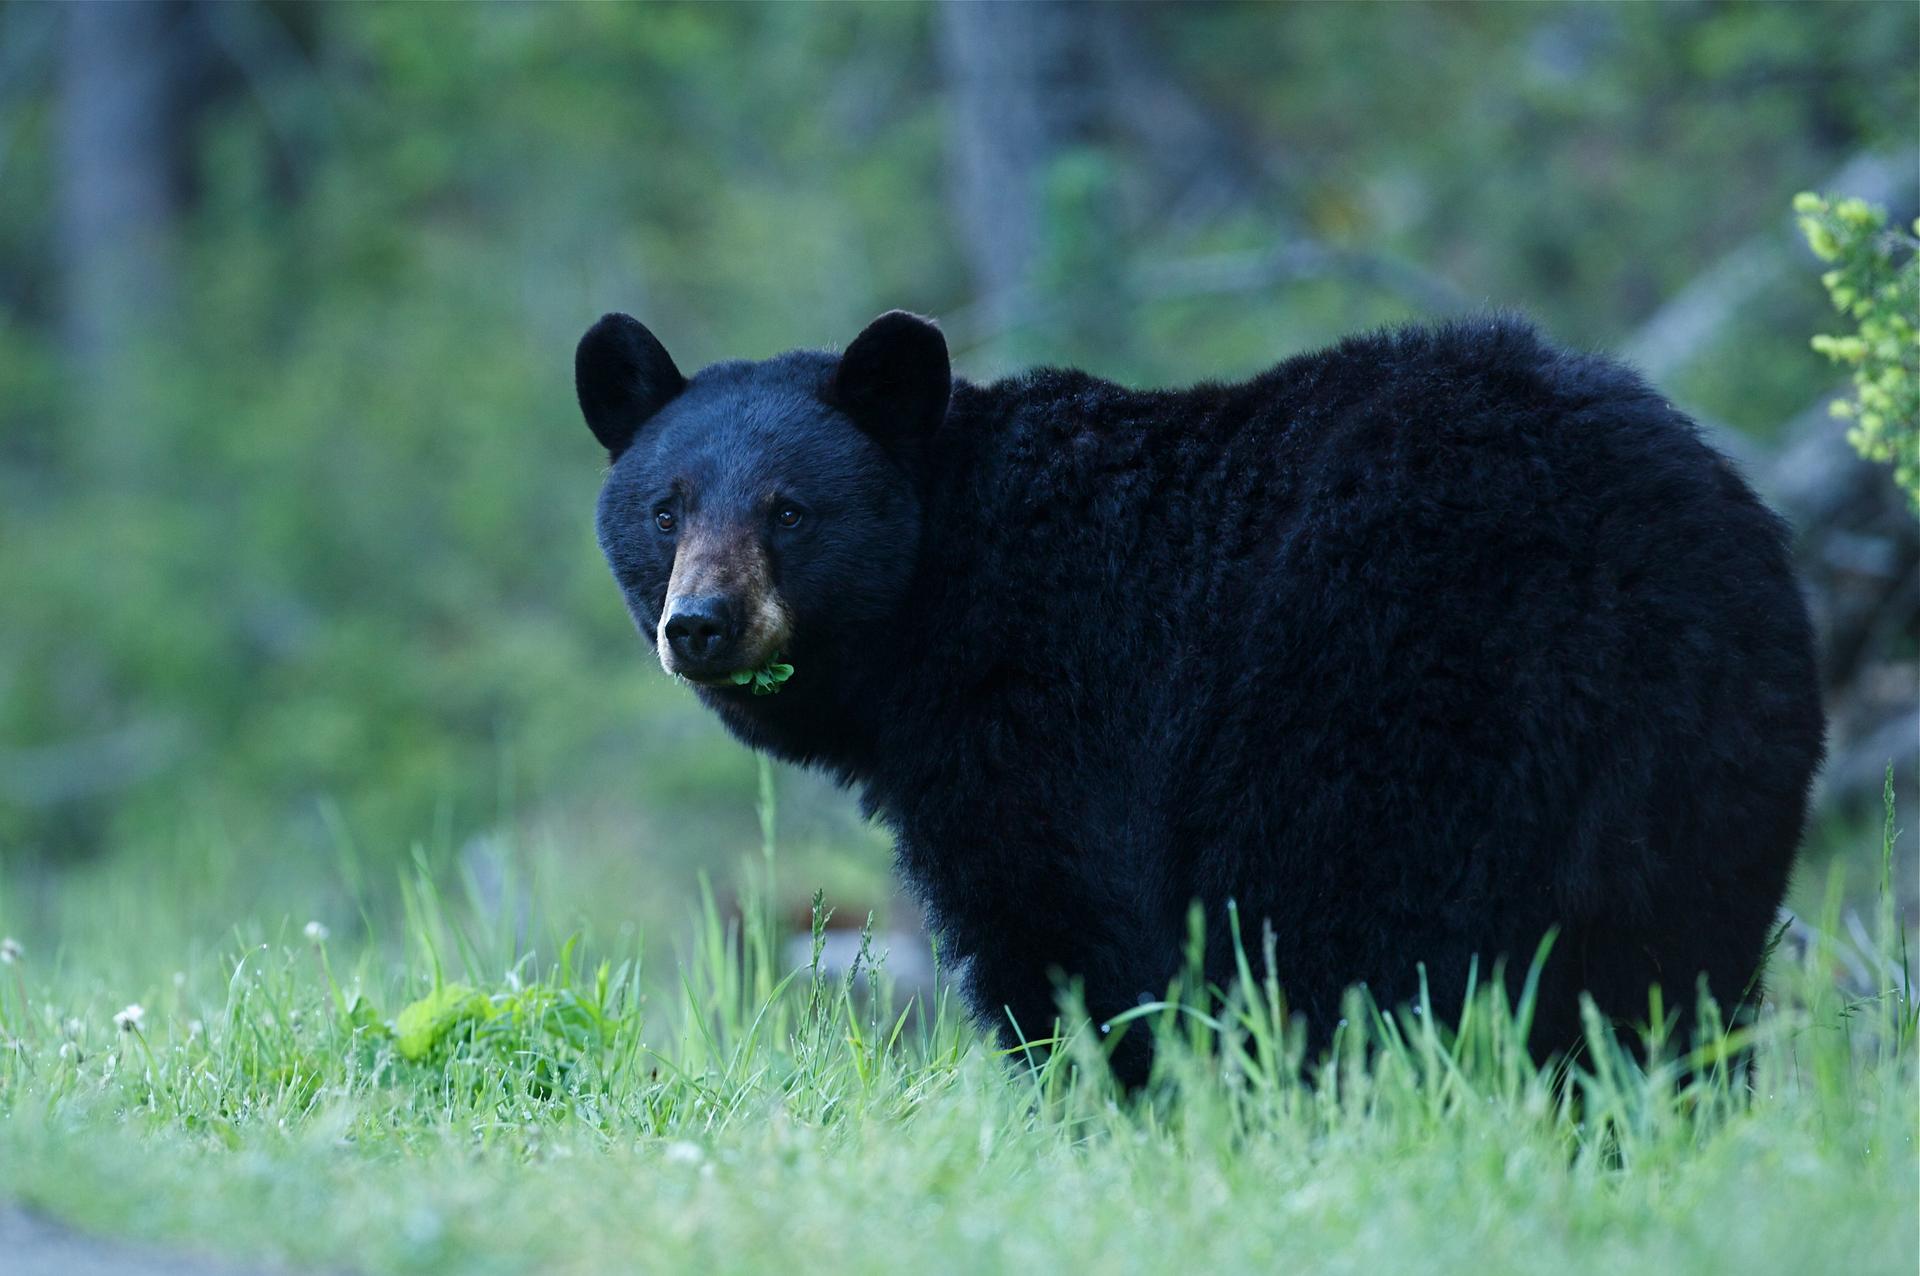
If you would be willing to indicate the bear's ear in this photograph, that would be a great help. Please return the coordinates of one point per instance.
(623, 376)
(894, 380)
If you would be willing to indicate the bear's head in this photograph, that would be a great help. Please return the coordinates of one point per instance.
(762, 510)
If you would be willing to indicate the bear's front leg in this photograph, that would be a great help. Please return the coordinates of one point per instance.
(1016, 990)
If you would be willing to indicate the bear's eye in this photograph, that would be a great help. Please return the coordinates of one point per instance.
(789, 516)
(664, 520)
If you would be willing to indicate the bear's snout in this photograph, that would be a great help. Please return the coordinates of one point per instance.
(722, 613)
(701, 633)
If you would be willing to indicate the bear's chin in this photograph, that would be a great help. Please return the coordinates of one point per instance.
(719, 682)
(710, 681)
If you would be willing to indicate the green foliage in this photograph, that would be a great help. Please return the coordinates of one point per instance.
(426, 1023)
(766, 679)
(1875, 282)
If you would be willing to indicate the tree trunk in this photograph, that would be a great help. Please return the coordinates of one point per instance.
(1021, 92)
(118, 147)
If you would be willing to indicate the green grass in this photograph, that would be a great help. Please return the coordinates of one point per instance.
(470, 1090)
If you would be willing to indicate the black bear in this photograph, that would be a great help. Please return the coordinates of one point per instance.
(1417, 648)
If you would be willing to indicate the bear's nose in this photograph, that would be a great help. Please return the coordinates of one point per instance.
(700, 629)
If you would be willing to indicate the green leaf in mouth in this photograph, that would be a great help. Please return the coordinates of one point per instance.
(766, 679)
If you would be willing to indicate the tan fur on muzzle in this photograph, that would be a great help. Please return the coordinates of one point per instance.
(732, 565)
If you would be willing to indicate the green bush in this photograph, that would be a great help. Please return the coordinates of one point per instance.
(1875, 282)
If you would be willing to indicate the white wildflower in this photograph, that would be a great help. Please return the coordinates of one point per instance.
(317, 932)
(683, 1153)
(128, 1020)
(10, 950)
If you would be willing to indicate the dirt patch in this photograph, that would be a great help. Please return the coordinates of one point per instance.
(36, 1246)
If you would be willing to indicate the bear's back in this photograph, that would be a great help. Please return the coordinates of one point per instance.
(1468, 471)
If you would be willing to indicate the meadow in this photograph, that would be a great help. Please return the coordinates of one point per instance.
(466, 1082)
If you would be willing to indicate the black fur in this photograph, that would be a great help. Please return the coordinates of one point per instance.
(622, 375)
(1416, 647)
(894, 380)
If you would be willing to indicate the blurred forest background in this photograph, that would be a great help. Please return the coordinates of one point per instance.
(297, 572)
